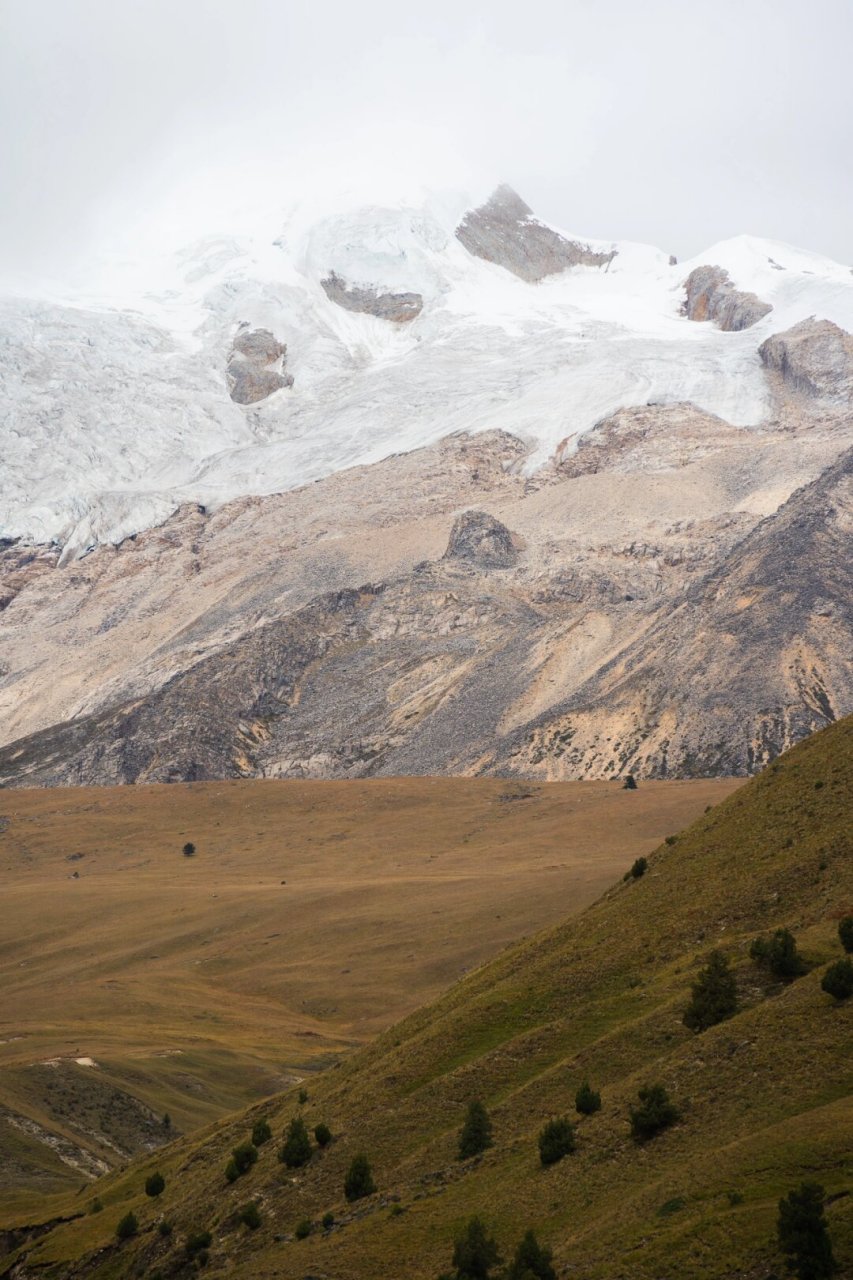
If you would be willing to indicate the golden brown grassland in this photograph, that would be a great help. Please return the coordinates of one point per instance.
(765, 1097)
(312, 915)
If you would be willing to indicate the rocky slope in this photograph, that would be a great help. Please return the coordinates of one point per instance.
(526, 573)
(665, 628)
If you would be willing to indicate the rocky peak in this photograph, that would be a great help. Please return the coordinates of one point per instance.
(504, 231)
(480, 539)
(256, 365)
(710, 295)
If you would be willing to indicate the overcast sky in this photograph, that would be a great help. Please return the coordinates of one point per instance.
(678, 122)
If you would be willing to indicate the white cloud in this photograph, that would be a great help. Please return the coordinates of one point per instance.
(674, 123)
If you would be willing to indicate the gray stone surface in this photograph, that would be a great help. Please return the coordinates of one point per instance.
(481, 540)
(256, 366)
(710, 295)
(504, 231)
(814, 357)
(400, 308)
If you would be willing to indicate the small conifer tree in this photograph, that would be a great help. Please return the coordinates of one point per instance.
(475, 1253)
(127, 1226)
(532, 1261)
(714, 995)
(188, 849)
(359, 1180)
(242, 1159)
(587, 1100)
(556, 1140)
(296, 1151)
(155, 1185)
(261, 1132)
(476, 1133)
(197, 1243)
(838, 979)
(250, 1216)
(322, 1135)
(779, 954)
(654, 1114)
(803, 1234)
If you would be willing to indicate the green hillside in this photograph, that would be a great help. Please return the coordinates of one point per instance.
(765, 1097)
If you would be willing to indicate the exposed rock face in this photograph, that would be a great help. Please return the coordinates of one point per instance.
(815, 357)
(504, 231)
(653, 624)
(757, 655)
(480, 539)
(256, 366)
(124, 619)
(400, 308)
(712, 296)
(20, 566)
(652, 438)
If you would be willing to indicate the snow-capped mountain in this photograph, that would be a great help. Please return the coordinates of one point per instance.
(117, 410)
(407, 490)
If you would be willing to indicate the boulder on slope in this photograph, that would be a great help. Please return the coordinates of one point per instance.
(815, 356)
(480, 539)
(710, 295)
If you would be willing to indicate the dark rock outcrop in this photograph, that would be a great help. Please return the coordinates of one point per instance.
(366, 299)
(504, 231)
(712, 296)
(815, 357)
(256, 366)
(479, 539)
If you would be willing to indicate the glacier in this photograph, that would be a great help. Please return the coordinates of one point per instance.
(116, 407)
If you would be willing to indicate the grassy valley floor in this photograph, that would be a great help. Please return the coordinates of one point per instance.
(138, 982)
(764, 1097)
